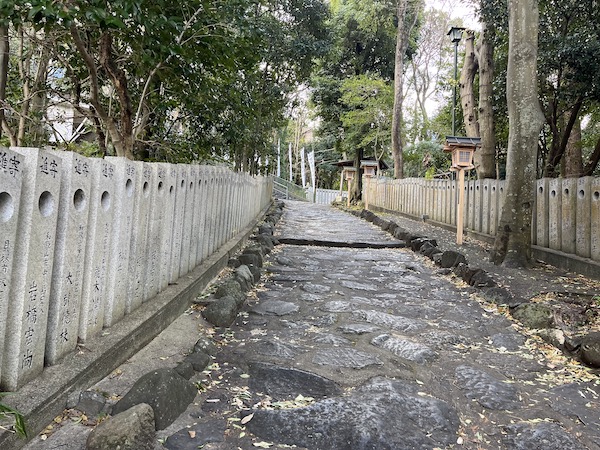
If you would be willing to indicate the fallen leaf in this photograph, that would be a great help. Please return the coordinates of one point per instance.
(262, 444)
(247, 419)
(192, 434)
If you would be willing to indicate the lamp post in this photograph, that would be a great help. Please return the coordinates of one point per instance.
(462, 149)
(455, 34)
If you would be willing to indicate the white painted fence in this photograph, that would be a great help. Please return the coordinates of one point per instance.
(84, 242)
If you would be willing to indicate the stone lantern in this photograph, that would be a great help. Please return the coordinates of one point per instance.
(462, 150)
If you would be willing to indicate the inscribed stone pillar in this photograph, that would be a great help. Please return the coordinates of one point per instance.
(200, 212)
(210, 213)
(11, 177)
(541, 212)
(139, 241)
(126, 176)
(178, 220)
(31, 279)
(168, 176)
(478, 212)
(554, 214)
(485, 206)
(569, 214)
(583, 217)
(195, 200)
(69, 256)
(155, 223)
(188, 219)
(595, 219)
(98, 248)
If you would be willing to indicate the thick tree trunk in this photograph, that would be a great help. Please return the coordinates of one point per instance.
(513, 241)
(119, 81)
(467, 93)
(572, 161)
(485, 157)
(4, 56)
(397, 119)
(560, 137)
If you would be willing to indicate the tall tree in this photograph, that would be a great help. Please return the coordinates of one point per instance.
(512, 246)
(407, 14)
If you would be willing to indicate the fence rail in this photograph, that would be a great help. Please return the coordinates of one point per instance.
(288, 190)
(86, 241)
(566, 212)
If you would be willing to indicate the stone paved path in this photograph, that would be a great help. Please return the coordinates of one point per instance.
(371, 348)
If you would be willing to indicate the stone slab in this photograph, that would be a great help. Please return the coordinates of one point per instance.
(69, 256)
(126, 175)
(167, 175)
(98, 248)
(391, 321)
(29, 293)
(275, 308)
(139, 237)
(404, 348)
(156, 222)
(189, 189)
(283, 383)
(488, 391)
(384, 414)
(345, 357)
(11, 176)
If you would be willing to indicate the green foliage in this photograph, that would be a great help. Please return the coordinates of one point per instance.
(425, 159)
(17, 417)
(214, 72)
(367, 119)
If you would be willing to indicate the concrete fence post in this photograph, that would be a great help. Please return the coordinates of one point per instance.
(569, 214)
(595, 219)
(12, 171)
(29, 291)
(583, 217)
(97, 255)
(69, 256)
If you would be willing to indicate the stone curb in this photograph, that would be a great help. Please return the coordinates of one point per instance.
(223, 310)
(41, 400)
(455, 262)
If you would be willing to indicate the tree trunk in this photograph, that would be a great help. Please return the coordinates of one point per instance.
(397, 119)
(572, 161)
(512, 247)
(593, 160)
(467, 94)
(4, 57)
(485, 157)
(560, 137)
(119, 81)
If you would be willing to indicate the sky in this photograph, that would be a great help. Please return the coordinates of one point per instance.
(458, 9)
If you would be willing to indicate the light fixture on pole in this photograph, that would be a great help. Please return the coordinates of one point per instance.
(455, 34)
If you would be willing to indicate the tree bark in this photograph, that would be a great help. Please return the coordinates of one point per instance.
(512, 247)
(572, 161)
(397, 119)
(560, 138)
(4, 57)
(593, 160)
(467, 93)
(485, 157)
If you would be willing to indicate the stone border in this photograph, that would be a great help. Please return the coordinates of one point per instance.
(230, 295)
(531, 315)
(41, 400)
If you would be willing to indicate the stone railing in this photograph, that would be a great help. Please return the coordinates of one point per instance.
(566, 218)
(86, 241)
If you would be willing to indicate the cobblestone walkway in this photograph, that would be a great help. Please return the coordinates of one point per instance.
(354, 348)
